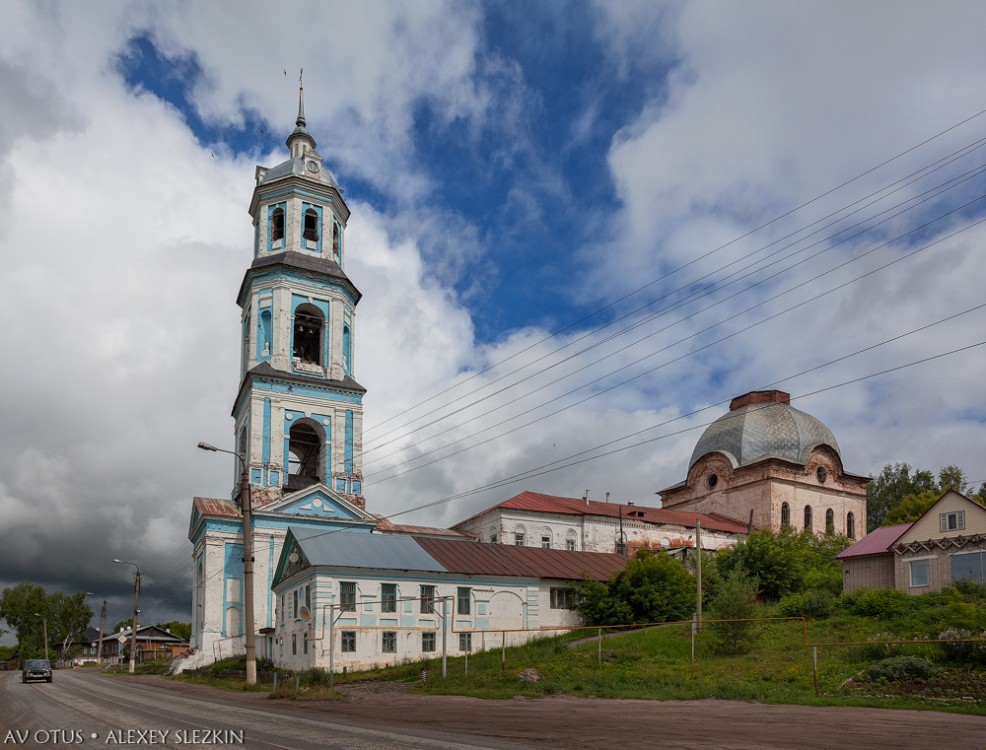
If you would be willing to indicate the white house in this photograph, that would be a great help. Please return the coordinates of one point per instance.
(531, 519)
(355, 600)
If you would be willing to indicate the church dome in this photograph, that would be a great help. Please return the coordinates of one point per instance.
(761, 425)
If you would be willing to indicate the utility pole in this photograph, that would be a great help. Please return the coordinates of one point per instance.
(698, 568)
(44, 622)
(247, 510)
(133, 627)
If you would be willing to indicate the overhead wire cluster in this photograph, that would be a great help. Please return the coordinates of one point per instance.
(925, 217)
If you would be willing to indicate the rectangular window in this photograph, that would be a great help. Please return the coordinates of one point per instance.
(463, 600)
(282, 609)
(968, 565)
(348, 641)
(305, 643)
(388, 597)
(545, 542)
(920, 572)
(389, 645)
(519, 539)
(308, 597)
(562, 598)
(465, 642)
(427, 600)
(347, 596)
(428, 641)
(954, 521)
(294, 644)
(570, 545)
(295, 597)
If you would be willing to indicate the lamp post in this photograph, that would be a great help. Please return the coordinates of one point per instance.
(44, 621)
(245, 505)
(133, 627)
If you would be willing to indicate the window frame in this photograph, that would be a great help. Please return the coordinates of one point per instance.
(429, 642)
(347, 641)
(944, 521)
(347, 596)
(465, 643)
(388, 642)
(427, 593)
(924, 562)
(463, 600)
(562, 597)
(388, 597)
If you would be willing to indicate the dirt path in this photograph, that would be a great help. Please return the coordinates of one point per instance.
(592, 724)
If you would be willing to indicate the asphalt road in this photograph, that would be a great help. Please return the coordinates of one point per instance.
(87, 709)
(150, 711)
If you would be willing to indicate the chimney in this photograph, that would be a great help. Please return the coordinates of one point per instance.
(586, 497)
(760, 397)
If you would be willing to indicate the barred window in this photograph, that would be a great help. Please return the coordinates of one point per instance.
(388, 597)
(389, 645)
(562, 598)
(348, 641)
(347, 596)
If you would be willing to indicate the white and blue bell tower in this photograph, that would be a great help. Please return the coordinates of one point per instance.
(298, 413)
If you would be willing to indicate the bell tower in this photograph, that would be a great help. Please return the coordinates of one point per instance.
(299, 411)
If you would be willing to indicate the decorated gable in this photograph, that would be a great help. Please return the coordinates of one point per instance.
(319, 502)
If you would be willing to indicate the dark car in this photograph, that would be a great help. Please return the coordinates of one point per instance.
(36, 669)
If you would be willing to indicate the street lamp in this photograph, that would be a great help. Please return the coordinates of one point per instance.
(44, 621)
(133, 628)
(245, 505)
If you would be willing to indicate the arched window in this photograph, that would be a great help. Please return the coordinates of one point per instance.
(808, 517)
(571, 540)
(308, 324)
(266, 333)
(311, 225)
(545, 538)
(306, 463)
(785, 515)
(347, 349)
(829, 521)
(276, 226)
(493, 534)
(520, 534)
(850, 525)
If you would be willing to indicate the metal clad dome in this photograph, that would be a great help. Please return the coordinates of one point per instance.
(761, 425)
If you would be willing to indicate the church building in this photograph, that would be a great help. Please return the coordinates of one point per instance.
(298, 415)
(769, 466)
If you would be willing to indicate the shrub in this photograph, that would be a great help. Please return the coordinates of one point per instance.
(734, 600)
(816, 604)
(884, 604)
(901, 669)
(654, 587)
(963, 652)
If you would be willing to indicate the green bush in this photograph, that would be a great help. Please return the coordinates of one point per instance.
(817, 604)
(901, 669)
(883, 604)
(654, 587)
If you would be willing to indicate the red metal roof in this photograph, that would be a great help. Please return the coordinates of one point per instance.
(210, 506)
(386, 526)
(538, 503)
(478, 558)
(876, 542)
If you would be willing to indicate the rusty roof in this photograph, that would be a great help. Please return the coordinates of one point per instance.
(386, 526)
(479, 558)
(210, 506)
(535, 502)
(876, 542)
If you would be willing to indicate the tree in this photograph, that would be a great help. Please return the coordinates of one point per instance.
(951, 477)
(654, 587)
(911, 508)
(182, 629)
(27, 607)
(890, 487)
(735, 599)
(777, 561)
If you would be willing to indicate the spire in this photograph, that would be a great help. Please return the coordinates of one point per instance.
(300, 122)
(300, 141)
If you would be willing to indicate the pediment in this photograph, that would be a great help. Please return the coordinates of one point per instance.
(317, 501)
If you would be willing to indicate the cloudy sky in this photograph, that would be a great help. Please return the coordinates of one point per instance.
(579, 228)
